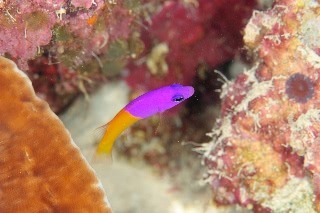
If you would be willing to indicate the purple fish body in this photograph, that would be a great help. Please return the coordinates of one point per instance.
(148, 104)
(159, 100)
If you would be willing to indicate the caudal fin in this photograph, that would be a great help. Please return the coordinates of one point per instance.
(103, 153)
(101, 158)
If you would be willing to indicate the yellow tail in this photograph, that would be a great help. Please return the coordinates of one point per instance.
(113, 129)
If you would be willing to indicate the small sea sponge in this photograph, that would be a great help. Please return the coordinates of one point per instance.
(299, 88)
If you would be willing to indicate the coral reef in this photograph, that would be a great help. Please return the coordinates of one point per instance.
(61, 28)
(55, 84)
(265, 147)
(184, 35)
(82, 41)
(182, 44)
(41, 168)
(264, 154)
(165, 41)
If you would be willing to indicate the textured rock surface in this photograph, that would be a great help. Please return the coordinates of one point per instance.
(41, 168)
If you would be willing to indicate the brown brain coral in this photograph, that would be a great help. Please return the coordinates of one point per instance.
(41, 170)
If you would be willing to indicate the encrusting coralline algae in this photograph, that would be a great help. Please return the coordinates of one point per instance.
(265, 149)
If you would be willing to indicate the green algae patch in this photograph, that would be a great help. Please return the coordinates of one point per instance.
(61, 33)
(117, 49)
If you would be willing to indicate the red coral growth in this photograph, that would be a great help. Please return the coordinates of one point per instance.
(53, 83)
(191, 34)
(41, 169)
(59, 85)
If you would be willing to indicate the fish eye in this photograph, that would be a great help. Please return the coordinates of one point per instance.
(176, 85)
(177, 98)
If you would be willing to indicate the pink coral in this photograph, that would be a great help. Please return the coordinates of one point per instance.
(62, 28)
(82, 3)
(83, 38)
(31, 29)
(266, 143)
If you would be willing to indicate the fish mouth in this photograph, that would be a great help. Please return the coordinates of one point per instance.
(191, 91)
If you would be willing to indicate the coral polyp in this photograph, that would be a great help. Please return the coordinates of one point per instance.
(299, 88)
